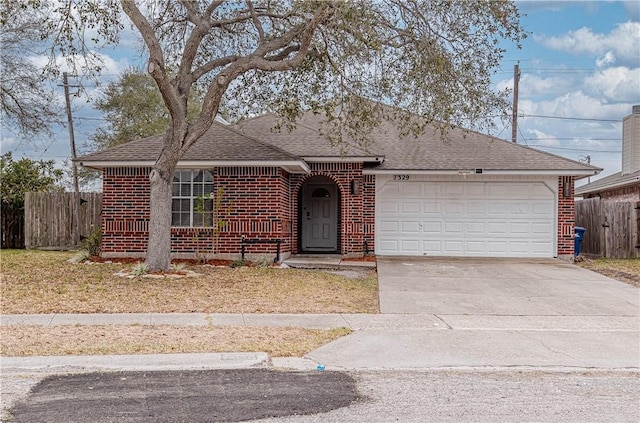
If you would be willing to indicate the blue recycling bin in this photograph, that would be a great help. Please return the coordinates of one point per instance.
(577, 240)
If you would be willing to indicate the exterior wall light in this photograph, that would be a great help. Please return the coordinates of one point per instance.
(355, 187)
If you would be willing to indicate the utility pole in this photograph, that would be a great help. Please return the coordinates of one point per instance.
(75, 229)
(65, 83)
(514, 118)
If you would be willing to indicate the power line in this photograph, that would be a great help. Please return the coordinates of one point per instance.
(578, 138)
(570, 118)
(575, 149)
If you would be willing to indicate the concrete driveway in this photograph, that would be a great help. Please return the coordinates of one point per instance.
(494, 313)
(509, 287)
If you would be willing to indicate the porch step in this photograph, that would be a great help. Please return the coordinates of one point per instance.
(327, 262)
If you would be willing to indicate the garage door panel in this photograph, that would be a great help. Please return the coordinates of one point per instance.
(465, 219)
(453, 247)
(453, 190)
(411, 190)
(499, 228)
(541, 208)
(432, 228)
(410, 246)
(388, 208)
(497, 209)
(410, 227)
(453, 208)
(389, 227)
(453, 228)
(411, 208)
(541, 228)
(478, 228)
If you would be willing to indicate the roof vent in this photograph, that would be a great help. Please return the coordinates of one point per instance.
(636, 109)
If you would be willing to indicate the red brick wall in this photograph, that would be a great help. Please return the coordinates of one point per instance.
(566, 216)
(631, 193)
(369, 211)
(255, 204)
(351, 235)
(125, 210)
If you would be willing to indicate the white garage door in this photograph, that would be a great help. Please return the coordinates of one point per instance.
(491, 219)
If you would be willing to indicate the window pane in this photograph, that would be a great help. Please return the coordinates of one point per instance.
(208, 189)
(197, 190)
(185, 190)
(175, 190)
(208, 176)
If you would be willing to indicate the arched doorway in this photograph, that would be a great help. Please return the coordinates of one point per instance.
(319, 205)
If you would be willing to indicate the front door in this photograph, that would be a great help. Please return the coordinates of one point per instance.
(319, 218)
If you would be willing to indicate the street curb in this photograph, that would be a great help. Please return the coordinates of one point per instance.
(188, 361)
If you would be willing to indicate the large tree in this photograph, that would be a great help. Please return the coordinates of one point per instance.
(134, 109)
(16, 179)
(433, 58)
(27, 101)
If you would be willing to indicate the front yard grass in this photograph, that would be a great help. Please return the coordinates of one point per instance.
(625, 270)
(162, 339)
(36, 282)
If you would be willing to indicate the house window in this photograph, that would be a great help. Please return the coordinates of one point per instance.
(192, 198)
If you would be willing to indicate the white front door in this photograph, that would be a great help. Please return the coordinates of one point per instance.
(465, 218)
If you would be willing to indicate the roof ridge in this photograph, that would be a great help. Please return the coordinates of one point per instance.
(261, 142)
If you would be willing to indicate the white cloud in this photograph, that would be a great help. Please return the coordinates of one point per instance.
(615, 85)
(608, 59)
(107, 64)
(623, 41)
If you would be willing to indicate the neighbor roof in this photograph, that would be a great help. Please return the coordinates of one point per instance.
(617, 180)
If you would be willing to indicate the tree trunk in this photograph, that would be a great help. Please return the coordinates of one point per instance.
(159, 245)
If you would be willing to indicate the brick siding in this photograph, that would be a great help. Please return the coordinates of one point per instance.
(351, 219)
(630, 193)
(263, 203)
(566, 216)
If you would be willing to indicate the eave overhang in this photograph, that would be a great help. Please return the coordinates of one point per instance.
(291, 166)
(481, 171)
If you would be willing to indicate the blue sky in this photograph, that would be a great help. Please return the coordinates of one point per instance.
(580, 75)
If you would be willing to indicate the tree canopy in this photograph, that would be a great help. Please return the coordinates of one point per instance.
(133, 110)
(27, 105)
(431, 60)
(26, 175)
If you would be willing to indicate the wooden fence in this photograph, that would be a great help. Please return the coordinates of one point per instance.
(60, 219)
(613, 228)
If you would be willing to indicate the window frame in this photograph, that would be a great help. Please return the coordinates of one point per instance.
(186, 187)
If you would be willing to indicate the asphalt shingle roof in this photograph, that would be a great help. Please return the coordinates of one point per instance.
(220, 143)
(256, 140)
(459, 149)
(610, 182)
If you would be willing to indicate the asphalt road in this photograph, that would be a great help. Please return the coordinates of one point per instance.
(508, 395)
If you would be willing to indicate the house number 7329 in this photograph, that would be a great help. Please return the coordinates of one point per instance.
(400, 177)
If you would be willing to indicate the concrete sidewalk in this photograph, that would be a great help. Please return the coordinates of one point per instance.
(398, 341)
(355, 322)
